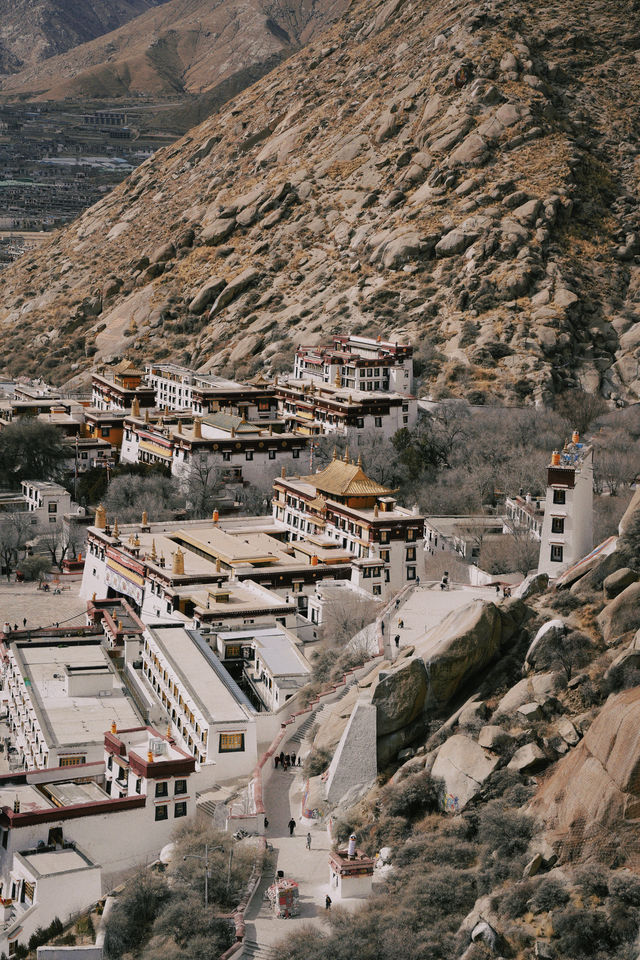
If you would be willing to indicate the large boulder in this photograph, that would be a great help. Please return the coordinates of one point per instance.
(399, 697)
(621, 615)
(389, 746)
(466, 641)
(616, 582)
(237, 286)
(548, 632)
(527, 759)
(207, 293)
(602, 568)
(463, 766)
(538, 688)
(513, 613)
(532, 585)
(595, 790)
(630, 513)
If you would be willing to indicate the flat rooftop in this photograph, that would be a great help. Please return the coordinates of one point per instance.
(57, 861)
(69, 720)
(239, 546)
(214, 692)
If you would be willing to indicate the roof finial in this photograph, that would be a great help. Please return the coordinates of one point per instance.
(335, 453)
(359, 460)
(346, 455)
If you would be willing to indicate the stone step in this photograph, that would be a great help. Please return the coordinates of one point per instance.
(258, 951)
(207, 806)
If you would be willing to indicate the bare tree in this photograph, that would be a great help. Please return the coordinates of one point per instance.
(128, 495)
(346, 615)
(15, 530)
(53, 539)
(579, 409)
(204, 485)
(568, 653)
(526, 549)
(614, 467)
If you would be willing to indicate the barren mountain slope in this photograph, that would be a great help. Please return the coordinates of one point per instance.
(457, 174)
(32, 30)
(184, 46)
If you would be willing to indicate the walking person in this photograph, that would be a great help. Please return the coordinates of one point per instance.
(327, 902)
(276, 761)
(292, 826)
(400, 624)
(293, 759)
(397, 640)
(282, 756)
(308, 841)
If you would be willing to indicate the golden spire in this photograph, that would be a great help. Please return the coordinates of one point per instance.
(145, 518)
(359, 460)
(153, 554)
(179, 426)
(335, 453)
(101, 517)
(135, 407)
(346, 454)
(146, 414)
(116, 532)
(197, 428)
(178, 562)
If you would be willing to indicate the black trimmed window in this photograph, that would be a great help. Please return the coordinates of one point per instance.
(162, 789)
(231, 743)
(162, 812)
(557, 524)
(560, 496)
(180, 787)
(557, 553)
(180, 809)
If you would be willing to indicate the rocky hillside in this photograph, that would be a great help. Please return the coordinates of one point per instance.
(460, 175)
(508, 791)
(179, 47)
(55, 26)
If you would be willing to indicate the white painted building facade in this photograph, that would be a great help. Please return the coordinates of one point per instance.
(567, 528)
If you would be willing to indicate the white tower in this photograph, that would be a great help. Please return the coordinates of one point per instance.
(567, 528)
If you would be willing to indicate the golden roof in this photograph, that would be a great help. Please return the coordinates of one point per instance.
(346, 480)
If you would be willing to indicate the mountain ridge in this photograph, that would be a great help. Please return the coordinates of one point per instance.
(178, 47)
(56, 26)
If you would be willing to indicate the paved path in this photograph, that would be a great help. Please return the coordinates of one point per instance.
(309, 868)
(19, 600)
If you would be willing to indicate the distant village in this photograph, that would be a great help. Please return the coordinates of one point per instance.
(195, 644)
(57, 160)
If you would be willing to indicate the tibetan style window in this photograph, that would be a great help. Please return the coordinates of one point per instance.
(180, 809)
(162, 812)
(231, 743)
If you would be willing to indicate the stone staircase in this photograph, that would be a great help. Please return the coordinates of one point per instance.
(257, 951)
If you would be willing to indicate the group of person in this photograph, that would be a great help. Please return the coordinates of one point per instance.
(286, 760)
(506, 591)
